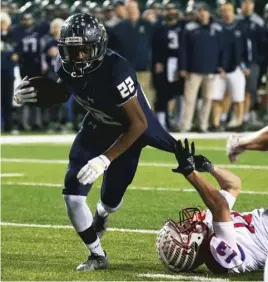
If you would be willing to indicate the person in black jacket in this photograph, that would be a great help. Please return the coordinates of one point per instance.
(131, 38)
(8, 61)
(201, 60)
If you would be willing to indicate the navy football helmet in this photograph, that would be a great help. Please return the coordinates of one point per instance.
(82, 44)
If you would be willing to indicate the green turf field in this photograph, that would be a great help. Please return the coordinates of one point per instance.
(51, 250)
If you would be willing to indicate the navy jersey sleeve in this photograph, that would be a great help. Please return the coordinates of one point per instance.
(124, 82)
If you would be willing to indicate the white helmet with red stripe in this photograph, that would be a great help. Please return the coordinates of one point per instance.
(178, 243)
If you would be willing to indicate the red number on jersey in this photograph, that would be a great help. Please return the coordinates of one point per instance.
(247, 218)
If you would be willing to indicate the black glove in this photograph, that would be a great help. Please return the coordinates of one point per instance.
(185, 158)
(202, 164)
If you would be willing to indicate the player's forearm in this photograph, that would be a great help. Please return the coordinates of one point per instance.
(126, 140)
(257, 141)
(227, 180)
(212, 198)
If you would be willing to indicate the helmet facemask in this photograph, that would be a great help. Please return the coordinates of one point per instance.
(178, 244)
(80, 59)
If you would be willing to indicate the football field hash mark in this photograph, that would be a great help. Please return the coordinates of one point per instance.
(144, 164)
(180, 277)
(138, 188)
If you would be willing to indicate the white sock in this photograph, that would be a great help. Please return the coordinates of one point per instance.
(101, 210)
(96, 248)
(161, 117)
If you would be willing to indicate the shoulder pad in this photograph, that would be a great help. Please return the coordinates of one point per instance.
(257, 19)
(192, 26)
(216, 26)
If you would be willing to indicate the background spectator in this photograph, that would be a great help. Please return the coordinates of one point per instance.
(253, 28)
(110, 18)
(8, 59)
(165, 55)
(201, 59)
(120, 9)
(145, 41)
(137, 47)
(235, 45)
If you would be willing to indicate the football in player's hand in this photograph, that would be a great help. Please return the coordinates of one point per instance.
(48, 91)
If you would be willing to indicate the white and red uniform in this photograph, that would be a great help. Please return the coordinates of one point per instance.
(238, 246)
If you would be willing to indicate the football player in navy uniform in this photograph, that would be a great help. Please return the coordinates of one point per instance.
(118, 124)
(28, 46)
(165, 46)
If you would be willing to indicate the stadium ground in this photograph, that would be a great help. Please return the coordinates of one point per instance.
(39, 244)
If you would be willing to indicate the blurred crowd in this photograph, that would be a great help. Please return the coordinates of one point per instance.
(201, 70)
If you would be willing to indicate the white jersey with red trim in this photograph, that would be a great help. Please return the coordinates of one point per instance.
(243, 248)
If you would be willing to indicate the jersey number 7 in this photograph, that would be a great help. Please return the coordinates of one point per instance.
(126, 87)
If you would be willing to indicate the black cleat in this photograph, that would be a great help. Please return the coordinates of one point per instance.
(94, 262)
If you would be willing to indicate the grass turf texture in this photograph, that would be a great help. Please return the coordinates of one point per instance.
(30, 253)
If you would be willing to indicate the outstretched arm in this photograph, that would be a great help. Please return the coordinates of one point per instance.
(227, 180)
(257, 141)
(212, 198)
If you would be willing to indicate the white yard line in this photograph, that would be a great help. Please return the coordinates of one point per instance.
(203, 148)
(11, 174)
(68, 138)
(122, 230)
(180, 277)
(138, 188)
(143, 164)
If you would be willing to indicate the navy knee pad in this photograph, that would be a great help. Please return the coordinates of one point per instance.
(72, 186)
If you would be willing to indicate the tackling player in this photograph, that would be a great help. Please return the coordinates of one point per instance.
(257, 141)
(226, 241)
(118, 124)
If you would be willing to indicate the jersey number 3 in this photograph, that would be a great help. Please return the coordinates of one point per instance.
(126, 87)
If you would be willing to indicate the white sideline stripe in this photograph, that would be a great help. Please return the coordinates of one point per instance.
(11, 174)
(180, 277)
(138, 188)
(142, 231)
(150, 164)
(68, 138)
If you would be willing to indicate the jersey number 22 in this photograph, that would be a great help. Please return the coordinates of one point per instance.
(126, 87)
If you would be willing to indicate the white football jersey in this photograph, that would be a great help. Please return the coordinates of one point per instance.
(251, 232)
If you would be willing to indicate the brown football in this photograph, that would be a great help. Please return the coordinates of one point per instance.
(49, 92)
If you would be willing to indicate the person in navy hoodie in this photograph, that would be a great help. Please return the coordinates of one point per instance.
(201, 61)
(234, 64)
(131, 38)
